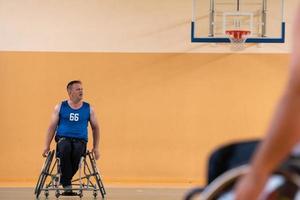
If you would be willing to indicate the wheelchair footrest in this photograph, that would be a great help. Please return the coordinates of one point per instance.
(69, 194)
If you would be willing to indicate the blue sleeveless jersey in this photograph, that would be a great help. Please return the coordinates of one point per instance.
(73, 123)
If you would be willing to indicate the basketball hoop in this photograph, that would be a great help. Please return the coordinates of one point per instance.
(237, 38)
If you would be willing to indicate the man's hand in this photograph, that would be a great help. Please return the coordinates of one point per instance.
(46, 151)
(96, 153)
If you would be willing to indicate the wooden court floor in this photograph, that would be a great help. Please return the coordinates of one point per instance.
(113, 193)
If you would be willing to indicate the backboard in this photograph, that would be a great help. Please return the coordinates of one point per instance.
(264, 19)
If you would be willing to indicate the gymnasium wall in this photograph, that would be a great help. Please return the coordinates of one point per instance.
(163, 103)
(160, 114)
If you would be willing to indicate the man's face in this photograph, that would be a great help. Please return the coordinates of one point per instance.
(76, 92)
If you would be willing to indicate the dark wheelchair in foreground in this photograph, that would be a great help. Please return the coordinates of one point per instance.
(89, 178)
(229, 162)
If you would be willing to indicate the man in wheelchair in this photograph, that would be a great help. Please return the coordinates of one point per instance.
(69, 125)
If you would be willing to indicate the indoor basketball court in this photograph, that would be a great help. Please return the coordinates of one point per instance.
(171, 83)
(134, 193)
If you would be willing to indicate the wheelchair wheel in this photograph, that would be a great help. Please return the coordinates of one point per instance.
(44, 174)
(222, 187)
(97, 175)
(280, 185)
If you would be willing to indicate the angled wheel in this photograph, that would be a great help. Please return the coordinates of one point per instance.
(96, 174)
(44, 173)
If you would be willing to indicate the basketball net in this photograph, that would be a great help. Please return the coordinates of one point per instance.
(237, 38)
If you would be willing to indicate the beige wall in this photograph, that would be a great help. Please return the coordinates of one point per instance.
(114, 26)
(160, 114)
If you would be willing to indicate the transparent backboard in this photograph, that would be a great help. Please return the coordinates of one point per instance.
(263, 18)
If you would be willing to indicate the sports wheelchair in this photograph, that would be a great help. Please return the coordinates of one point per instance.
(88, 177)
(229, 162)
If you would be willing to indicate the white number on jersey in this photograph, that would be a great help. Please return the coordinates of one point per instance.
(74, 117)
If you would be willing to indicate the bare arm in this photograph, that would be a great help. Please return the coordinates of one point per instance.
(96, 133)
(51, 129)
(283, 134)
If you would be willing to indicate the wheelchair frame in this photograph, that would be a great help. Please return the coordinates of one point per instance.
(83, 183)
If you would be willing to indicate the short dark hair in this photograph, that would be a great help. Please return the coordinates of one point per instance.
(72, 83)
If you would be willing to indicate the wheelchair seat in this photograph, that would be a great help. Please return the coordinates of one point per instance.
(89, 178)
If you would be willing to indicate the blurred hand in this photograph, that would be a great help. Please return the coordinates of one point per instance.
(96, 153)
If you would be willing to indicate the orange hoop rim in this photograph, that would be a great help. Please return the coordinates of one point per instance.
(237, 34)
